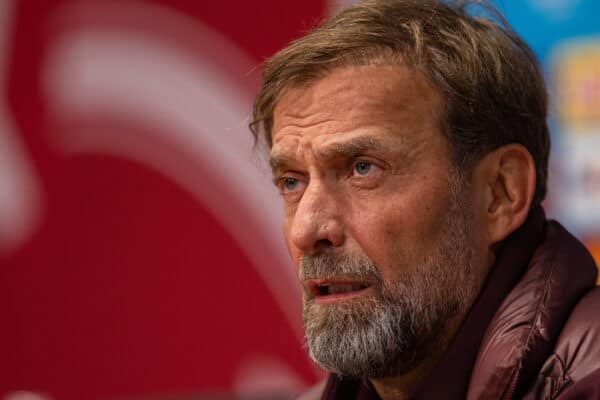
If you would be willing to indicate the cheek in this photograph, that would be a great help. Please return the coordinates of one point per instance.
(380, 234)
(402, 230)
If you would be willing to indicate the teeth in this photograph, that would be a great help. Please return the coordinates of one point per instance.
(339, 288)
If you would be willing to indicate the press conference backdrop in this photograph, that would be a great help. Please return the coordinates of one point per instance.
(140, 241)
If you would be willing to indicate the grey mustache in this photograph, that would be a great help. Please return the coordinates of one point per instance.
(339, 266)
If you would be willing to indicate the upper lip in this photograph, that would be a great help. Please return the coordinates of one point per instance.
(315, 285)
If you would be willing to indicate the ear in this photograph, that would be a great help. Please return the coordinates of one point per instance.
(506, 183)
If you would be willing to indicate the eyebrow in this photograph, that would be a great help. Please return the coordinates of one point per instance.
(349, 149)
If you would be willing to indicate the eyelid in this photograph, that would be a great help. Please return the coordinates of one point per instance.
(281, 177)
(363, 159)
(278, 174)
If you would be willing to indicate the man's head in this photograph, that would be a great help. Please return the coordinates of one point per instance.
(406, 139)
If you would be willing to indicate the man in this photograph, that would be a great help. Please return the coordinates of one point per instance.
(410, 146)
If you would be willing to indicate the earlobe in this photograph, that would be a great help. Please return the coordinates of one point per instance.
(510, 179)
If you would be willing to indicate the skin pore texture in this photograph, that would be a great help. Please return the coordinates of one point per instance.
(392, 245)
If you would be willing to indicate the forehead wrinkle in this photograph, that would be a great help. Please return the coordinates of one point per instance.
(307, 106)
(292, 124)
(331, 100)
(288, 151)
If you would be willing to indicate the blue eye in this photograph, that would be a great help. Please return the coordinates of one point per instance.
(290, 183)
(362, 167)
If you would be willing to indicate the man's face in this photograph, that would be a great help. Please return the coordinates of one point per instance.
(376, 220)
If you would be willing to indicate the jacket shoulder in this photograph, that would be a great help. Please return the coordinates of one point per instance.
(576, 354)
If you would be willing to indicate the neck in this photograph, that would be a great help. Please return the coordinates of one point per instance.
(400, 387)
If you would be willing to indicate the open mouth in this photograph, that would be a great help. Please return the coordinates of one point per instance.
(333, 291)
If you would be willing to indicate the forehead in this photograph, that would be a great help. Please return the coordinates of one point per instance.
(392, 98)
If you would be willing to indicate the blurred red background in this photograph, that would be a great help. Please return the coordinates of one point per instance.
(140, 248)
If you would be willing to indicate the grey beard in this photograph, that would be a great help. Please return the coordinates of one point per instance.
(386, 334)
(391, 330)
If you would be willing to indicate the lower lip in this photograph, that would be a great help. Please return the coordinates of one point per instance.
(340, 297)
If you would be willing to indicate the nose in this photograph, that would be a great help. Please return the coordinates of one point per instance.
(317, 220)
